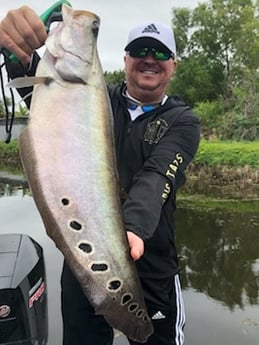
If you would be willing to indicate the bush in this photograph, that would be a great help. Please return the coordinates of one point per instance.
(210, 115)
(9, 155)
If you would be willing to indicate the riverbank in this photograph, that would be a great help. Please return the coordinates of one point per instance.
(225, 170)
(222, 181)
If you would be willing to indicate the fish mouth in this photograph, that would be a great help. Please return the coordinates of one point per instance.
(82, 58)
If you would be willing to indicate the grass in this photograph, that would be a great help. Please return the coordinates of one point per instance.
(228, 153)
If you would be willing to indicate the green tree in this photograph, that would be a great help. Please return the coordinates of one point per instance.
(218, 49)
(114, 78)
(22, 111)
(197, 79)
(2, 106)
(1, 109)
(216, 42)
(227, 32)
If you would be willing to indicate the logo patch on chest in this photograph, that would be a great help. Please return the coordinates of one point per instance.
(155, 131)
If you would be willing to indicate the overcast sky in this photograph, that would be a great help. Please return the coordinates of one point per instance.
(117, 19)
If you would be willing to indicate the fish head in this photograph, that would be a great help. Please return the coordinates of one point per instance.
(80, 33)
(72, 45)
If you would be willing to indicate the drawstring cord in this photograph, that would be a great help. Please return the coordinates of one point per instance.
(9, 115)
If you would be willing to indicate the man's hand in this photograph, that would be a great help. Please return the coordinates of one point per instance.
(136, 245)
(21, 32)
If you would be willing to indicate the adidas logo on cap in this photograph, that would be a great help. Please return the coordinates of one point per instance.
(151, 28)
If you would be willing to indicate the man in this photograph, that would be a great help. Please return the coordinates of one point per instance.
(156, 138)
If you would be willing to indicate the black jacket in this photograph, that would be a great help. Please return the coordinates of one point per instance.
(152, 154)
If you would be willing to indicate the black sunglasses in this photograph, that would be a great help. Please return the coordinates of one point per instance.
(157, 54)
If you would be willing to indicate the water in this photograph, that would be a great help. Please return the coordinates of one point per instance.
(219, 260)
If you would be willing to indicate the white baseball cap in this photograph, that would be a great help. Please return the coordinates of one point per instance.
(149, 32)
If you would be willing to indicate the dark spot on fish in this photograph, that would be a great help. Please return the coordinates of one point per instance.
(126, 298)
(65, 201)
(114, 285)
(132, 307)
(85, 247)
(140, 313)
(145, 318)
(95, 27)
(75, 225)
(99, 267)
(48, 80)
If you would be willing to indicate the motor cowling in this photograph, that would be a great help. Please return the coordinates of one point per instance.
(23, 293)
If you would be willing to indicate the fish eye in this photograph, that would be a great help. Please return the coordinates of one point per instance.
(95, 27)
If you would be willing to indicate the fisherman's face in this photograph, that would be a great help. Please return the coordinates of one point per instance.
(147, 78)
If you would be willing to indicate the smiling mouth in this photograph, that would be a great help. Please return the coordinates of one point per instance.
(148, 72)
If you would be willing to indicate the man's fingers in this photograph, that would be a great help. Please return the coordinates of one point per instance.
(136, 245)
(22, 31)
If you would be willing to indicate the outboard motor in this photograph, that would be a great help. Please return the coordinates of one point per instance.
(23, 296)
